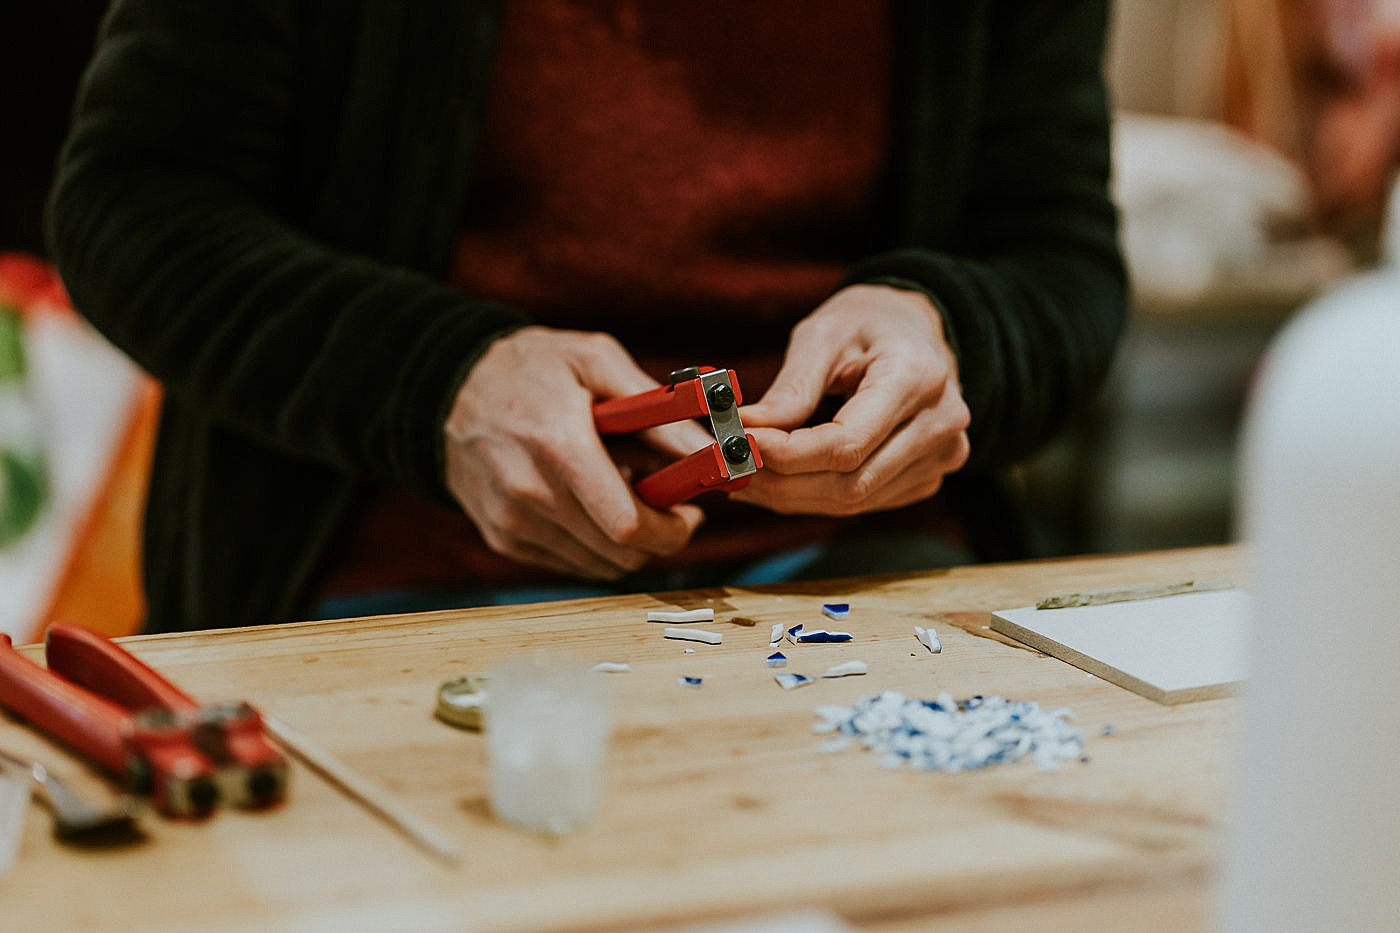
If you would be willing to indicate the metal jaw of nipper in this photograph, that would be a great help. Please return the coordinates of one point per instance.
(693, 392)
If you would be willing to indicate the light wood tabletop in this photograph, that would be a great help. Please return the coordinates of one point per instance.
(718, 805)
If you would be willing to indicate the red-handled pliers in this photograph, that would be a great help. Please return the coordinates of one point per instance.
(693, 392)
(107, 704)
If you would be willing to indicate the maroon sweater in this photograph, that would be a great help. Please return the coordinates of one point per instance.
(693, 178)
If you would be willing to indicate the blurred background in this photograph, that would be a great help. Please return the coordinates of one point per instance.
(1255, 147)
(1256, 144)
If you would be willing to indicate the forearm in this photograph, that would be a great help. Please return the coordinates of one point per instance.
(1030, 282)
(322, 355)
(175, 223)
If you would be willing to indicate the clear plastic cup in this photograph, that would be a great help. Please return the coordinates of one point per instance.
(548, 721)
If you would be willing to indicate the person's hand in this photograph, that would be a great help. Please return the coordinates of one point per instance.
(525, 462)
(901, 430)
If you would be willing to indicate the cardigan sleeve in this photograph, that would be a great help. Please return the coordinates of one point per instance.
(176, 223)
(1030, 281)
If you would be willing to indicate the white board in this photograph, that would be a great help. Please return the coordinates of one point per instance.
(1175, 649)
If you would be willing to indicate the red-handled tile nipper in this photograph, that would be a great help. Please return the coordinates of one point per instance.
(693, 392)
(107, 704)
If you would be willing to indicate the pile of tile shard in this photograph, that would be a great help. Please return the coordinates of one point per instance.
(952, 735)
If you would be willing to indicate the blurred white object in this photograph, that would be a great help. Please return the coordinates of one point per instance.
(85, 392)
(548, 721)
(1204, 206)
(1315, 838)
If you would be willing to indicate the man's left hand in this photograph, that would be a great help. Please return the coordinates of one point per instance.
(901, 429)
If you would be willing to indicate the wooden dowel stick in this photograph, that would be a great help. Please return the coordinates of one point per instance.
(362, 791)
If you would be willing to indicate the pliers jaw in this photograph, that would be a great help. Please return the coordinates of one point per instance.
(695, 392)
(254, 773)
(163, 762)
(721, 390)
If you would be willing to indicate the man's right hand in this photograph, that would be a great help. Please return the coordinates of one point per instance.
(526, 464)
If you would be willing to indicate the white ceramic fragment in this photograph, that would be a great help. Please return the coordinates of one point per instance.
(847, 669)
(929, 639)
(689, 615)
(695, 634)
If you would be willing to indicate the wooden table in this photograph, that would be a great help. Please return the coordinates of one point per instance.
(718, 805)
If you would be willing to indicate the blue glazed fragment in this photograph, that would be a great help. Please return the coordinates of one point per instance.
(822, 637)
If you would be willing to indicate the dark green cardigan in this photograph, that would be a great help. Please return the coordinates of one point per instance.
(258, 200)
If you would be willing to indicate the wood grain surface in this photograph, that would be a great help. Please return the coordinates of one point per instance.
(718, 805)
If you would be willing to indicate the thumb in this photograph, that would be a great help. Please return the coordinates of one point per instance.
(604, 367)
(798, 388)
(691, 514)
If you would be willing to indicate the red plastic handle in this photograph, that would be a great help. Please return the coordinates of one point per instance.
(62, 709)
(107, 669)
(662, 405)
(685, 479)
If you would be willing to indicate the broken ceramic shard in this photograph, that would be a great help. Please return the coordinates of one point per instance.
(819, 636)
(929, 639)
(689, 615)
(695, 634)
(848, 669)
